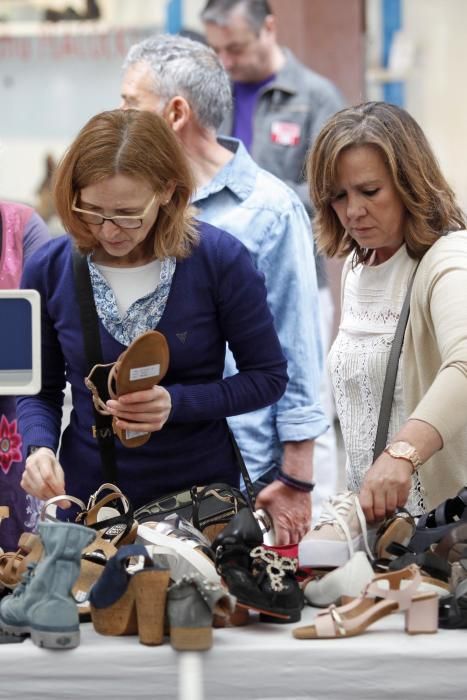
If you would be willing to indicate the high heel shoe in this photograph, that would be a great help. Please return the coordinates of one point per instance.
(125, 603)
(385, 594)
(192, 601)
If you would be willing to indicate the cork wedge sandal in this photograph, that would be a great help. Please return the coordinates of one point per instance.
(141, 366)
(385, 594)
(126, 601)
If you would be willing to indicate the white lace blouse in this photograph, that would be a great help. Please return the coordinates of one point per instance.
(372, 300)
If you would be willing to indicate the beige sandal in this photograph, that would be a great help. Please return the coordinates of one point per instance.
(141, 366)
(385, 594)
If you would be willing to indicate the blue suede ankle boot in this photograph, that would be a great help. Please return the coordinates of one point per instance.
(42, 604)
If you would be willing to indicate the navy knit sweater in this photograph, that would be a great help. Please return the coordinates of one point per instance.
(216, 296)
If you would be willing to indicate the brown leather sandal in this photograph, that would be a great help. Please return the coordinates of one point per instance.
(399, 528)
(141, 366)
(14, 564)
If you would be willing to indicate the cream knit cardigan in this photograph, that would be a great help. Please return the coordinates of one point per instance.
(435, 362)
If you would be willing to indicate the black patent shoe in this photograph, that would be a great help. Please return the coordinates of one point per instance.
(242, 529)
(263, 581)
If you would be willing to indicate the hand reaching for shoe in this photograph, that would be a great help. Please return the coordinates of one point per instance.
(385, 487)
(289, 509)
(142, 411)
(387, 483)
(43, 476)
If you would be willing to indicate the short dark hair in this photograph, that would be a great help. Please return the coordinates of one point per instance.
(219, 11)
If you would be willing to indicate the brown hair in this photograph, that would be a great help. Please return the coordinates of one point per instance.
(428, 199)
(139, 145)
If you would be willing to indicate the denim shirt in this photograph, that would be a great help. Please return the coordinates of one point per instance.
(272, 223)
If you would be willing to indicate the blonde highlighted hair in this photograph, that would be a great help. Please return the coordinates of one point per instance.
(429, 201)
(139, 145)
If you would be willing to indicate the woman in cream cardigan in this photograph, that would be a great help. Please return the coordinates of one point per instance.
(382, 201)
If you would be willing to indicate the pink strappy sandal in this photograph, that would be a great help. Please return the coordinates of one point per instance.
(386, 593)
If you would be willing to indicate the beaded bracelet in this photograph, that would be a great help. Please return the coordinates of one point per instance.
(298, 484)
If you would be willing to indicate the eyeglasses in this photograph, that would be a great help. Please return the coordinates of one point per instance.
(130, 222)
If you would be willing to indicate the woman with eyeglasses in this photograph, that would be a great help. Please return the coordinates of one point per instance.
(122, 191)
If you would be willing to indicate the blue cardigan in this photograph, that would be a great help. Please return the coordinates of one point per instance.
(217, 296)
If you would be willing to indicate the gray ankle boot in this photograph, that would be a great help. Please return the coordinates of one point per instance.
(42, 604)
(191, 603)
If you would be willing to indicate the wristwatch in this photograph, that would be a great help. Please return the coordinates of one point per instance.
(404, 450)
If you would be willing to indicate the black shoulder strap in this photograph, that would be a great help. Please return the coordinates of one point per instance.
(93, 350)
(244, 471)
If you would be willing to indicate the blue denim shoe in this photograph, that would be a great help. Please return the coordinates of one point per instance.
(42, 604)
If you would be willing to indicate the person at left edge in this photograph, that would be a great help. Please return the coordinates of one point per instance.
(22, 231)
(194, 283)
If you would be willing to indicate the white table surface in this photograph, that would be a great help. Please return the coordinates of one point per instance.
(260, 661)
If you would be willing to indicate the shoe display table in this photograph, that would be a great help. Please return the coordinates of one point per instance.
(259, 661)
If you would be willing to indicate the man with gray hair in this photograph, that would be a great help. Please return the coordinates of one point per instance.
(185, 82)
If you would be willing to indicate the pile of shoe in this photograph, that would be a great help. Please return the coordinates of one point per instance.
(134, 596)
(434, 546)
(344, 553)
(126, 588)
(108, 513)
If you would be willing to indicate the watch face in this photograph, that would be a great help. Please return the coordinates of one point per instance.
(406, 451)
(401, 448)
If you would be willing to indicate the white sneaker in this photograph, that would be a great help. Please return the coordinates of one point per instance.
(347, 580)
(340, 531)
(182, 554)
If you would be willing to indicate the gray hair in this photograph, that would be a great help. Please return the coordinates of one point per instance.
(219, 11)
(188, 68)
